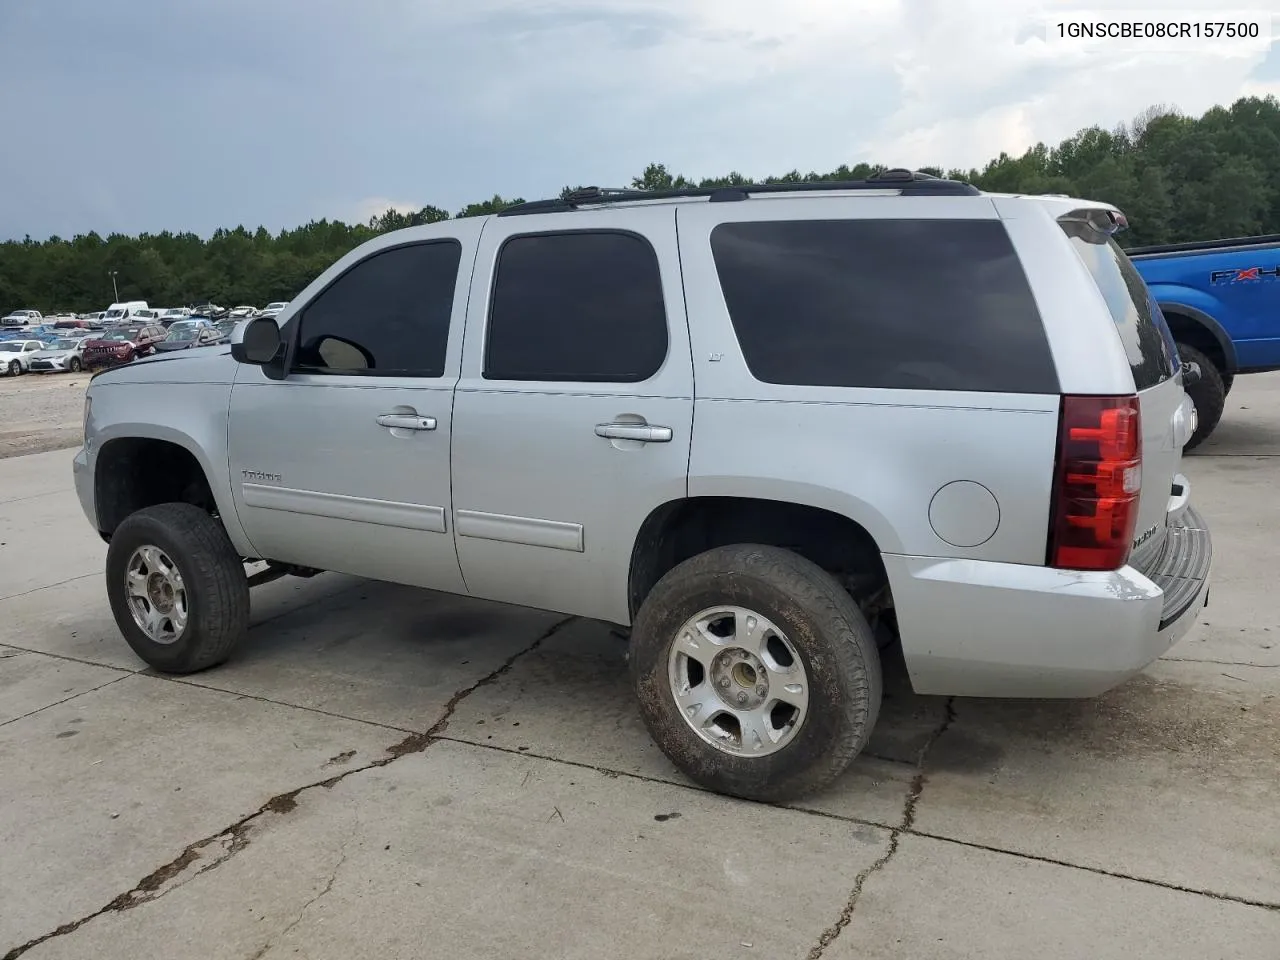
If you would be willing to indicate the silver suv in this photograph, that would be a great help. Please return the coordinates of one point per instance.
(771, 429)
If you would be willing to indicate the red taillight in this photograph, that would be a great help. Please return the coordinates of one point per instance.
(1097, 483)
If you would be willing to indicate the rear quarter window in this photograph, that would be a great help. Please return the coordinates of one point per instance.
(898, 304)
(1148, 342)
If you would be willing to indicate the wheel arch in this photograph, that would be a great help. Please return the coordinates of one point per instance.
(679, 529)
(1197, 328)
(129, 474)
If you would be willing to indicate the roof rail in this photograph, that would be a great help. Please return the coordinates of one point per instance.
(910, 183)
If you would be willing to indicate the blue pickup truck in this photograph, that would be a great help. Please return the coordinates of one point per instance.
(1221, 299)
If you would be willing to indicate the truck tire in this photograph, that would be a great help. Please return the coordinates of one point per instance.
(1209, 394)
(1227, 380)
(756, 673)
(177, 588)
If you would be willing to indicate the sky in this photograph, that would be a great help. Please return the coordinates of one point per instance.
(189, 115)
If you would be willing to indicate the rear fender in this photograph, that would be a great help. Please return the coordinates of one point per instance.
(1195, 306)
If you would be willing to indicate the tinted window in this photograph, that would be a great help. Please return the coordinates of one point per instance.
(386, 316)
(907, 304)
(1147, 340)
(577, 306)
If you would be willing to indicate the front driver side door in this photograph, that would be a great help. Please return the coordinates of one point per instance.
(344, 464)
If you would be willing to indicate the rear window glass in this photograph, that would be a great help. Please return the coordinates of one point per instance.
(1148, 342)
(905, 304)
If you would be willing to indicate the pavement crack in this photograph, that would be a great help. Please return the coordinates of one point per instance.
(1101, 871)
(302, 912)
(905, 825)
(876, 824)
(48, 586)
(1223, 663)
(58, 703)
(235, 838)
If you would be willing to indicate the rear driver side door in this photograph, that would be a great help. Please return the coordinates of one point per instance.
(344, 464)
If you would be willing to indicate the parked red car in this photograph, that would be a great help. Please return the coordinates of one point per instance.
(121, 345)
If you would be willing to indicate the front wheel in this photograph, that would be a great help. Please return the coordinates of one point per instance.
(177, 588)
(1209, 395)
(15, 368)
(757, 674)
(74, 365)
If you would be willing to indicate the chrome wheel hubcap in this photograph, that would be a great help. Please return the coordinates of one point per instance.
(156, 594)
(738, 681)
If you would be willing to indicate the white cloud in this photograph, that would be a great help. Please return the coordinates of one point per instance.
(957, 81)
(364, 210)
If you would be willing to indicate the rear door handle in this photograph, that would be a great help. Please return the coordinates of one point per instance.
(403, 421)
(643, 432)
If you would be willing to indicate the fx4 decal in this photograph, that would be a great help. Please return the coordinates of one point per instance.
(1248, 273)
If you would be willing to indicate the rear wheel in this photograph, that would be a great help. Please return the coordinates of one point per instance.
(1209, 395)
(756, 673)
(177, 588)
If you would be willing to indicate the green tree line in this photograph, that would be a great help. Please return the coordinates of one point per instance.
(1176, 177)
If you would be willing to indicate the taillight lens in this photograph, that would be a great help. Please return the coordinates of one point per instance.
(1097, 483)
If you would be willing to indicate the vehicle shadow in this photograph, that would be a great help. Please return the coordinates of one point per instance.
(392, 655)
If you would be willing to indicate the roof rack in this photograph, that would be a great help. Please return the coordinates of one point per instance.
(910, 183)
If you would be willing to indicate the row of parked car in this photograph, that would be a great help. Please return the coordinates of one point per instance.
(49, 349)
(135, 311)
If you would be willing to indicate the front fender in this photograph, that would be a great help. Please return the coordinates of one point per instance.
(195, 420)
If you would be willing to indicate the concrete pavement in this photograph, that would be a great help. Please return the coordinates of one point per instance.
(388, 773)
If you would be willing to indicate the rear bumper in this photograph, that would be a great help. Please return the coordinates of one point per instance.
(982, 629)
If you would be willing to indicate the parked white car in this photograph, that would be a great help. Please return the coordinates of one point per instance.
(274, 308)
(15, 355)
(61, 356)
(244, 313)
(170, 314)
(21, 318)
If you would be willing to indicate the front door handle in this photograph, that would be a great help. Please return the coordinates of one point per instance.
(403, 421)
(643, 432)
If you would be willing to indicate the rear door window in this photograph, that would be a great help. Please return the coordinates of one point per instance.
(898, 304)
(579, 306)
(1148, 342)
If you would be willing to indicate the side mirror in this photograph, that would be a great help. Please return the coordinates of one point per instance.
(259, 343)
(1191, 373)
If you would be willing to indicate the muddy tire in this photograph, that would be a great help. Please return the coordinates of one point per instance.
(756, 673)
(1209, 395)
(177, 588)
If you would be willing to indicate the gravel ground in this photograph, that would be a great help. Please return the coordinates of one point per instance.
(41, 411)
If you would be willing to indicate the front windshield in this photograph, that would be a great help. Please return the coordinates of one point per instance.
(112, 314)
(184, 333)
(10, 346)
(119, 335)
(64, 344)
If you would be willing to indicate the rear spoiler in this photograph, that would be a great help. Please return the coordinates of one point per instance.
(1103, 219)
